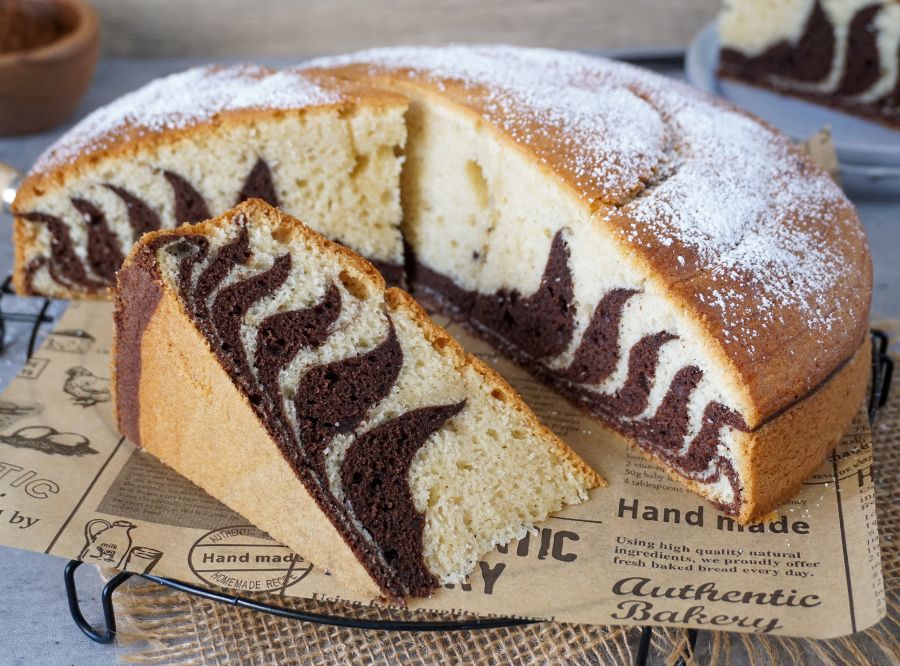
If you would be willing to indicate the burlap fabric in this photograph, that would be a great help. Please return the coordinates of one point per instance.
(158, 626)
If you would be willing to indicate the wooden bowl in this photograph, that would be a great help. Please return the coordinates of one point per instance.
(41, 87)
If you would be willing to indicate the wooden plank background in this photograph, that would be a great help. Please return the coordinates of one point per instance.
(309, 27)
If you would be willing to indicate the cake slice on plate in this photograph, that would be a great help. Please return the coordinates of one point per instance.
(271, 367)
(840, 53)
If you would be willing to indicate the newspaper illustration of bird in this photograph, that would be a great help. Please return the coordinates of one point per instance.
(85, 387)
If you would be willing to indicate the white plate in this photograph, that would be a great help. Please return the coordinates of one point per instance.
(866, 150)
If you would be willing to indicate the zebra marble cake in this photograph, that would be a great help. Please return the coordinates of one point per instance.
(670, 263)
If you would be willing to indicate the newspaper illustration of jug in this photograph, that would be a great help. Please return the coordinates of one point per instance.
(105, 542)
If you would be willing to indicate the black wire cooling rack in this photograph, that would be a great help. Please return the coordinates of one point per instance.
(882, 370)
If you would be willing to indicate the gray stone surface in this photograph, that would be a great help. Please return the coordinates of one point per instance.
(35, 627)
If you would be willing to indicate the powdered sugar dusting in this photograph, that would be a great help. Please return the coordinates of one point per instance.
(763, 227)
(558, 103)
(182, 100)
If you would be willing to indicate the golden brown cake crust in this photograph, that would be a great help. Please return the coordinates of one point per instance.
(718, 212)
(780, 325)
(785, 451)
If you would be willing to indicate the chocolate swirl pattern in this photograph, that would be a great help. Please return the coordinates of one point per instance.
(141, 217)
(808, 60)
(231, 304)
(328, 400)
(535, 329)
(64, 264)
(631, 399)
(190, 206)
(541, 322)
(105, 251)
(839, 54)
(259, 185)
(860, 72)
(595, 358)
(283, 334)
(375, 486)
(333, 399)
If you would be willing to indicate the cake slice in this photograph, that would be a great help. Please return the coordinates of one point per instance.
(272, 368)
(194, 144)
(841, 53)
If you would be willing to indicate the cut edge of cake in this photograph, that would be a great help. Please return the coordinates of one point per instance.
(94, 193)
